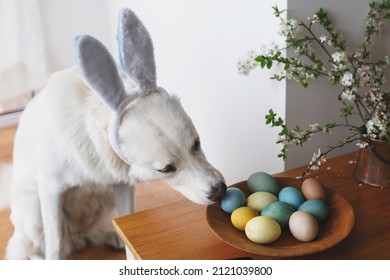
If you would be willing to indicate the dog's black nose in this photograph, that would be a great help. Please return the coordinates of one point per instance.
(217, 191)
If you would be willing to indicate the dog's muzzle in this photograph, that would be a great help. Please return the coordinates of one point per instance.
(217, 192)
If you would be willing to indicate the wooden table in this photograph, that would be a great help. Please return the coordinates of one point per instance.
(180, 230)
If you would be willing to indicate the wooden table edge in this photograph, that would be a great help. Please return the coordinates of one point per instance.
(128, 245)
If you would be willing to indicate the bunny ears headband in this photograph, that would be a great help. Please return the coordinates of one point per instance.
(98, 69)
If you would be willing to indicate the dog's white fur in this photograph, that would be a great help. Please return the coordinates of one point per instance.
(66, 176)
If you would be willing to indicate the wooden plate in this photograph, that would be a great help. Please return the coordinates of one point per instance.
(333, 230)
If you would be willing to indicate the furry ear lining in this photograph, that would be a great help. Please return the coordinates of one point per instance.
(98, 70)
(136, 51)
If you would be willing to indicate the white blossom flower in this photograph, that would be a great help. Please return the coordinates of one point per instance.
(339, 57)
(314, 19)
(364, 73)
(289, 28)
(317, 159)
(323, 39)
(348, 95)
(314, 126)
(243, 68)
(374, 94)
(357, 58)
(247, 64)
(375, 128)
(347, 79)
(361, 144)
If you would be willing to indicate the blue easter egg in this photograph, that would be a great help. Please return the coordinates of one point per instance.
(318, 208)
(233, 199)
(292, 196)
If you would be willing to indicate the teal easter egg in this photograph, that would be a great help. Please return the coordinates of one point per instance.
(279, 211)
(263, 182)
(318, 208)
(292, 196)
(232, 199)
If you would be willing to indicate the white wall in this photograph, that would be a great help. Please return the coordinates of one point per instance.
(63, 20)
(197, 46)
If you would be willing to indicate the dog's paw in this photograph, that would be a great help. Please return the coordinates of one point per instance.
(37, 256)
(113, 240)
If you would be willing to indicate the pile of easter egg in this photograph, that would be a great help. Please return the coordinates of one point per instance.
(269, 209)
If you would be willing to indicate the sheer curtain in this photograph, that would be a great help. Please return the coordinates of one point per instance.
(22, 53)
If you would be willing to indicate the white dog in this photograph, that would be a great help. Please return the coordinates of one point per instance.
(85, 140)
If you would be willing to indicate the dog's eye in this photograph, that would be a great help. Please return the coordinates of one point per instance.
(167, 169)
(196, 145)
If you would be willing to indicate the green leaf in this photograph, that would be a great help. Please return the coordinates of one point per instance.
(270, 117)
(346, 111)
(282, 155)
(260, 58)
(303, 82)
(323, 17)
(277, 12)
(263, 63)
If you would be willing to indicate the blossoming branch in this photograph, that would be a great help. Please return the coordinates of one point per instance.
(360, 76)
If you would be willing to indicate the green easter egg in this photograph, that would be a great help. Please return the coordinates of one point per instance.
(279, 211)
(263, 182)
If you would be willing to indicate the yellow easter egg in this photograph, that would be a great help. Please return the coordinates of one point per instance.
(263, 230)
(260, 200)
(241, 216)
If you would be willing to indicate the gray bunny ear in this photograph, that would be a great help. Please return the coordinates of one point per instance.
(136, 50)
(98, 70)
